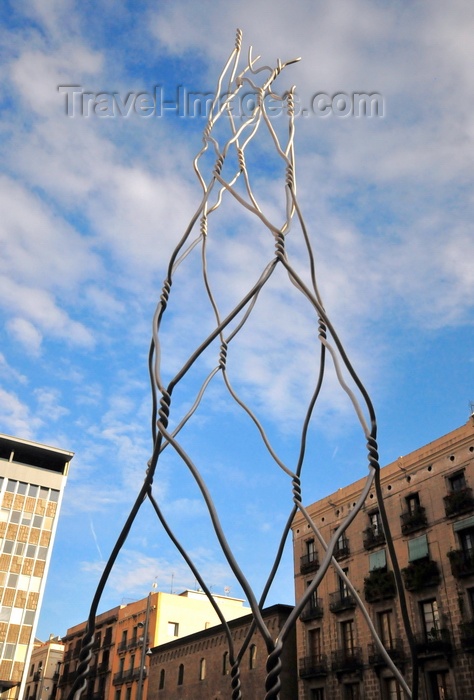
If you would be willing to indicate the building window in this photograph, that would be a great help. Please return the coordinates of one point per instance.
(440, 685)
(413, 503)
(457, 481)
(385, 625)
(225, 663)
(118, 693)
(352, 691)
(418, 548)
(128, 693)
(430, 619)
(378, 561)
(317, 693)
(252, 656)
(173, 629)
(161, 684)
(348, 636)
(202, 669)
(313, 601)
(466, 539)
(392, 690)
(181, 674)
(314, 642)
(343, 587)
(375, 523)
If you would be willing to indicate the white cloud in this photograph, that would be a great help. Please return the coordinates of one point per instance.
(16, 417)
(26, 334)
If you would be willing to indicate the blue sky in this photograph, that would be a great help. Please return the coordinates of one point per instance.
(93, 206)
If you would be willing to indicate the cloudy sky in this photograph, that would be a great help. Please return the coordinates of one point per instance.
(97, 191)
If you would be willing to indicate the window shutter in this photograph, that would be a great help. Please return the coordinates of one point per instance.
(418, 548)
(377, 560)
(464, 524)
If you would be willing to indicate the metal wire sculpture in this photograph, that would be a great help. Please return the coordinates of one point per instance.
(215, 188)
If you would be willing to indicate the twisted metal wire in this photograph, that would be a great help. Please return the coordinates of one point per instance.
(215, 188)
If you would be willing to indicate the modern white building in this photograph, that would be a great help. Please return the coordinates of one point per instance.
(32, 480)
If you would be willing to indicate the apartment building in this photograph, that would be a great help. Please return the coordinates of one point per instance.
(197, 667)
(428, 496)
(42, 676)
(32, 480)
(125, 634)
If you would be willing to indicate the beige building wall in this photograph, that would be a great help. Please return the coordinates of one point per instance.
(42, 674)
(32, 480)
(429, 501)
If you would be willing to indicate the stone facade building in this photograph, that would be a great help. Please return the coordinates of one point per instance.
(197, 667)
(428, 496)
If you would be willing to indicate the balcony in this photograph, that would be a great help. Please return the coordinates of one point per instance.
(341, 600)
(459, 502)
(462, 563)
(413, 520)
(313, 666)
(436, 642)
(373, 538)
(309, 562)
(379, 585)
(122, 647)
(342, 549)
(466, 633)
(131, 674)
(394, 650)
(312, 610)
(103, 668)
(420, 574)
(347, 660)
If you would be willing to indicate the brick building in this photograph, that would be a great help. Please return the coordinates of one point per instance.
(430, 507)
(197, 666)
(32, 481)
(124, 634)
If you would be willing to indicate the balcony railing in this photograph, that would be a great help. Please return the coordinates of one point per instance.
(103, 668)
(312, 610)
(466, 633)
(309, 562)
(313, 666)
(413, 520)
(347, 660)
(373, 538)
(420, 574)
(341, 600)
(462, 563)
(436, 642)
(459, 502)
(394, 650)
(131, 674)
(342, 549)
(379, 585)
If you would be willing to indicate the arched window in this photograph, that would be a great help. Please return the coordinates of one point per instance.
(252, 656)
(162, 679)
(202, 669)
(181, 674)
(225, 663)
